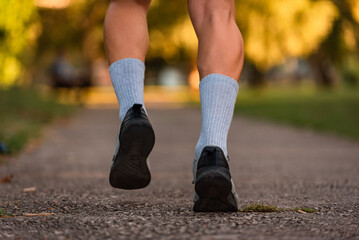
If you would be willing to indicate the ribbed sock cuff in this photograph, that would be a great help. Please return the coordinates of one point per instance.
(223, 80)
(126, 65)
(127, 76)
(218, 95)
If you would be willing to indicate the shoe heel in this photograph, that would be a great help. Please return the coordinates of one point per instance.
(130, 170)
(213, 184)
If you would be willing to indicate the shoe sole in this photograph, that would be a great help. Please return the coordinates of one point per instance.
(129, 169)
(214, 190)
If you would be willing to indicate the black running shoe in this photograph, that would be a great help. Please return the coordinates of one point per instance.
(214, 188)
(129, 169)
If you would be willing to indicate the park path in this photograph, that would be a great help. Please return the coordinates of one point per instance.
(271, 164)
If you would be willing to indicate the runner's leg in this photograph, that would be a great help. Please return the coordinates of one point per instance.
(220, 48)
(220, 61)
(126, 43)
(125, 30)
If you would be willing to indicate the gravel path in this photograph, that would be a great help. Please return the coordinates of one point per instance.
(274, 165)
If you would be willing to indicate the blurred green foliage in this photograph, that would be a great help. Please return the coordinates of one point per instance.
(18, 33)
(341, 45)
(172, 36)
(277, 29)
(76, 29)
(326, 32)
(333, 111)
(23, 112)
(350, 73)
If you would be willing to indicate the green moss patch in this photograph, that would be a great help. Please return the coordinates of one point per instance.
(269, 208)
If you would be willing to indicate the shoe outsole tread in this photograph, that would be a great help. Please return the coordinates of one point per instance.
(215, 194)
(130, 169)
(214, 188)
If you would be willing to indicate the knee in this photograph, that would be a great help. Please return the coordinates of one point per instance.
(215, 6)
(212, 11)
(141, 3)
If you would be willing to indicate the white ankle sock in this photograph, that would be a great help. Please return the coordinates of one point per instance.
(218, 95)
(127, 76)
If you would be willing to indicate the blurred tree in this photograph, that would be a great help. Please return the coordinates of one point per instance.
(18, 32)
(171, 33)
(273, 30)
(277, 29)
(340, 46)
(172, 37)
(82, 32)
(76, 29)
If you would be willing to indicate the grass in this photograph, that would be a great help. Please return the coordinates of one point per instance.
(306, 209)
(23, 113)
(268, 208)
(262, 208)
(335, 111)
(3, 213)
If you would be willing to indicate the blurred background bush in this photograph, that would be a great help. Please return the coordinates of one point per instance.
(295, 51)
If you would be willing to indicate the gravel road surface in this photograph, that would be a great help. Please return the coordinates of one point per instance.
(270, 164)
